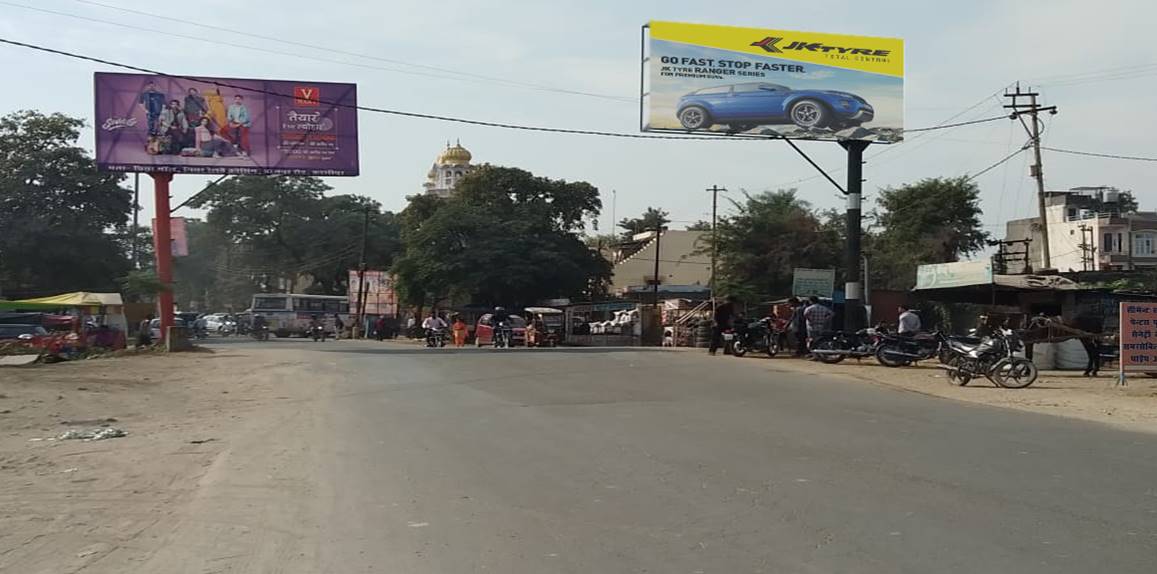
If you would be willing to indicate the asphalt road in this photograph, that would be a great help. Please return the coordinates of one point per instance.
(620, 460)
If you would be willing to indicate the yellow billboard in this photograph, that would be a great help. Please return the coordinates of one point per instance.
(804, 85)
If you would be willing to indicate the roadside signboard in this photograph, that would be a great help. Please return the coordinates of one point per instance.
(166, 124)
(805, 85)
(380, 296)
(819, 282)
(178, 236)
(1138, 336)
(957, 274)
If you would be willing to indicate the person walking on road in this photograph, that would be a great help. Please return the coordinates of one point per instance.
(723, 316)
(909, 323)
(459, 332)
(817, 317)
(338, 326)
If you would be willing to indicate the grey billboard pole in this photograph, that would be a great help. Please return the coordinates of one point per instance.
(853, 287)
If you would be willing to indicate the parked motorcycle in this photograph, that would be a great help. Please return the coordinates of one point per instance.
(435, 338)
(757, 336)
(317, 332)
(260, 333)
(836, 347)
(897, 350)
(992, 358)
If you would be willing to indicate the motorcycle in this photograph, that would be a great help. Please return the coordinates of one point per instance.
(435, 338)
(502, 336)
(757, 336)
(227, 328)
(901, 351)
(317, 332)
(836, 347)
(992, 358)
(260, 333)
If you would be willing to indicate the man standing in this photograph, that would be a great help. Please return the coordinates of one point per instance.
(152, 102)
(195, 107)
(338, 326)
(797, 326)
(239, 122)
(909, 322)
(817, 317)
(723, 315)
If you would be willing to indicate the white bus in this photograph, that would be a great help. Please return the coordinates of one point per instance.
(289, 314)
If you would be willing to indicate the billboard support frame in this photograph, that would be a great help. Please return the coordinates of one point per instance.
(162, 248)
(853, 287)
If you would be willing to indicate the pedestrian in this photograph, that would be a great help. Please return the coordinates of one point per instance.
(909, 322)
(144, 332)
(817, 318)
(380, 328)
(338, 326)
(797, 326)
(723, 316)
(460, 331)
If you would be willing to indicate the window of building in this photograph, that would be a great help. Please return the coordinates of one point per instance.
(1072, 213)
(1107, 243)
(1120, 244)
(1143, 245)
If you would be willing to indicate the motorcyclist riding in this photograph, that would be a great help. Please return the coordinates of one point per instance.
(434, 326)
(501, 319)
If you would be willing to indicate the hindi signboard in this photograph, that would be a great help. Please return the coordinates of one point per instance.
(818, 282)
(956, 274)
(167, 124)
(1138, 337)
(381, 299)
(800, 85)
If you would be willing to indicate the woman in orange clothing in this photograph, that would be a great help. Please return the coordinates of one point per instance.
(459, 332)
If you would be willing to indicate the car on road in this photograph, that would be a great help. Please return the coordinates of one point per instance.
(21, 332)
(744, 106)
(155, 327)
(484, 331)
(216, 321)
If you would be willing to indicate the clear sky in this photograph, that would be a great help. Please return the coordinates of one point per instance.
(1095, 60)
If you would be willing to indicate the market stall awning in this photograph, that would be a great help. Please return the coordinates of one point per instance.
(77, 299)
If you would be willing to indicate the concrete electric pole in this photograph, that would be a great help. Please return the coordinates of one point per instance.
(1033, 110)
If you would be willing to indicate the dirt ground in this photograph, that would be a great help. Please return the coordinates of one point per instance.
(1062, 393)
(104, 506)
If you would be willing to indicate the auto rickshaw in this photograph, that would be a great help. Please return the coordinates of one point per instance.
(547, 323)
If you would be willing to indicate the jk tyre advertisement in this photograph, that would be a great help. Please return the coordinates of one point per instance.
(805, 85)
(147, 123)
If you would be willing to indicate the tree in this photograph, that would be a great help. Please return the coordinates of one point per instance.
(700, 226)
(59, 217)
(771, 234)
(651, 220)
(935, 220)
(505, 237)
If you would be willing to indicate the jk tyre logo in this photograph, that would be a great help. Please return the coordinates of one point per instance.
(306, 96)
(770, 44)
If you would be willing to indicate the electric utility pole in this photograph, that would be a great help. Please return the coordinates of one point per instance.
(136, 220)
(714, 189)
(362, 287)
(853, 287)
(1032, 109)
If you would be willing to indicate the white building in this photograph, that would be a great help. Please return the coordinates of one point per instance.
(450, 166)
(1089, 232)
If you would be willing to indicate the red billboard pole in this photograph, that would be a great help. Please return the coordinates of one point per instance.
(163, 247)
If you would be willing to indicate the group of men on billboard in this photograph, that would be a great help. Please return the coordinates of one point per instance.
(198, 125)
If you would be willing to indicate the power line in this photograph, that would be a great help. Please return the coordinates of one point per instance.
(1001, 161)
(1104, 155)
(417, 115)
(462, 76)
(956, 125)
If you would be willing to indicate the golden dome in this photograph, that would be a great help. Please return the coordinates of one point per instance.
(454, 155)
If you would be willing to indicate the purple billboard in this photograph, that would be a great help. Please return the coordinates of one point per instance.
(166, 124)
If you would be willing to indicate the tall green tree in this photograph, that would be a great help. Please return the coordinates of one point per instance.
(650, 220)
(934, 220)
(59, 217)
(768, 236)
(505, 237)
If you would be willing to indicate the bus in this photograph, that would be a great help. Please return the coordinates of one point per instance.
(289, 314)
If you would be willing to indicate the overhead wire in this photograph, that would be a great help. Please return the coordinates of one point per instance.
(465, 76)
(417, 115)
(283, 40)
(1000, 161)
(1101, 155)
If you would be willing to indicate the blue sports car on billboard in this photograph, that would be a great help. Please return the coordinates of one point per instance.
(743, 106)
